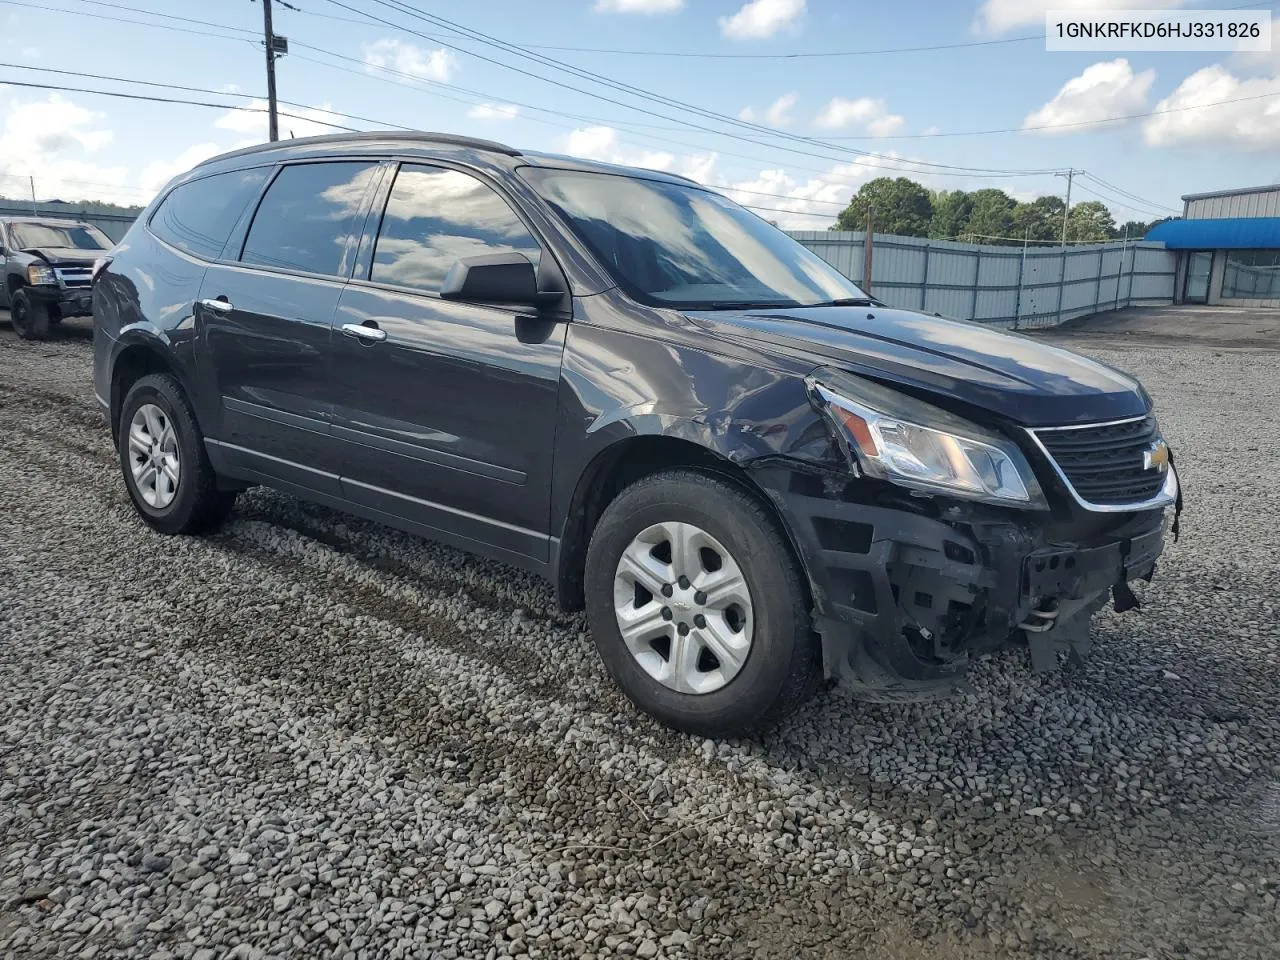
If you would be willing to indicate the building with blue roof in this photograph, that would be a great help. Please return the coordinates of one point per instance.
(1229, 247)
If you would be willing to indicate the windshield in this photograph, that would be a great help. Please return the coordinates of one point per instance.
(32, 236)
(682, 246)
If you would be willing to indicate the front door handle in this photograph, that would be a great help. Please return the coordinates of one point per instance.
(365, 331)
(221, 305)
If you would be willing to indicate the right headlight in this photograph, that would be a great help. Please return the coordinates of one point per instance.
(911, 443)
(41, 273)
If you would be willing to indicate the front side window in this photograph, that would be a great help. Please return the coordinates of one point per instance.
(667, 244)
(32, 236)
(309, 219)
(434, 218)
(1251, 275)
(199, 215)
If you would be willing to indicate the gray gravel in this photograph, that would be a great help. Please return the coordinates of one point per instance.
(311, 736)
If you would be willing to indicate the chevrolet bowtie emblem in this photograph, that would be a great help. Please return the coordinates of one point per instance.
(1156, 457)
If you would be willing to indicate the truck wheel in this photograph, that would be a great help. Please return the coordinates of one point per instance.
(165, 466)
(697, 606)
(30, 320)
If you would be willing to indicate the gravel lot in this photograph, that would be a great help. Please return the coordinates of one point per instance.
(310, 736)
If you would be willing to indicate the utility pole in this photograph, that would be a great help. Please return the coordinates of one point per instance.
(1066, 210)
(273, 122)
(33, 194)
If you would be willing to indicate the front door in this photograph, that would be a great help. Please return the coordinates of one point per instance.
(1199, 268)
(446, 411)
(266, 322)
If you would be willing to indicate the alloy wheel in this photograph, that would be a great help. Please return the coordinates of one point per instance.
(153, 456)
(683, 608)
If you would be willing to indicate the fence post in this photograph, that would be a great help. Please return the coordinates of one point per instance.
(924, 283)
(1022, 266)
(1120, 269)
(1097, 284)
(867, 251)
(1062, 283)
(977, 278)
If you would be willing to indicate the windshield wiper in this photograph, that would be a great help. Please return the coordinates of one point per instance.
(744, 304)
(848, 302)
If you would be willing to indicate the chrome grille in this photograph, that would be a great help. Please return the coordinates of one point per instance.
(74, 276)
(1104, 463)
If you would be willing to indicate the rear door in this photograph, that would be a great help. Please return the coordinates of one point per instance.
(266, 320)
(446, 411)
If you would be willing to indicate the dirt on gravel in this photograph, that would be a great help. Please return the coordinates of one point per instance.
(307, 735)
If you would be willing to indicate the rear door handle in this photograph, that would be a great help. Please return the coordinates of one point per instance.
(365, 331)
(217, 306)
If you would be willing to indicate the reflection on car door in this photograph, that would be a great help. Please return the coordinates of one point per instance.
(447, 411)
(267, 321)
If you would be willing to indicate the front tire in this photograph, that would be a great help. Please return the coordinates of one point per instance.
(30, 320)
(697, 606)
(162, 456)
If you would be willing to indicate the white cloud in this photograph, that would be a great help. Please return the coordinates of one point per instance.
(601, 143)
(777, 114)
(300, 121)
(997, 16)
(872, 114)
(760, 19)
(638, 6)
(1106, 89)
(51, 140)
(159, 172)
(406, 58)
(1248, 124)
(493, 111)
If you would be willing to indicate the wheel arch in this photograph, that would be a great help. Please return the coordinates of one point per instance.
(136, 358)
(622, 463)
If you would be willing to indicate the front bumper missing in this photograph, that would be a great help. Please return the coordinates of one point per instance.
(70, 301)
(904, 602)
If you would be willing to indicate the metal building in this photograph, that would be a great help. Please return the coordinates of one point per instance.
(1228, 245)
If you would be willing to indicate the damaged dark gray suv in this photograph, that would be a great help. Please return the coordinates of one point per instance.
(752, 476)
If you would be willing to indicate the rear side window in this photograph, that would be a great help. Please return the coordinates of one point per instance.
(309, 218)
(199, 215)
(435, 217)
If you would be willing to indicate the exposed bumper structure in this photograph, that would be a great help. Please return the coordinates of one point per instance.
(904, 601)
(71, 301)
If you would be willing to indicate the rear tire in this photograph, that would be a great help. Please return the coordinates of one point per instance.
(754, 666)
(30, 320)
(162, 456)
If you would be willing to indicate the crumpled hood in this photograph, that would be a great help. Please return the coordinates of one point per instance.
(65, 255)
(1015, 377)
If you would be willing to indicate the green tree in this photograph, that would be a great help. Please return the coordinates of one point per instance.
(950, 214)
(1041, 219)
(991, 215)
(1090, 221)
(901, 207)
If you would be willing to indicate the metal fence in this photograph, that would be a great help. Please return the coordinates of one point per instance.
(114, 225)
(1014, 286)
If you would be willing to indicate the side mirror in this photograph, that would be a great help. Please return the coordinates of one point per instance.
(495, 278)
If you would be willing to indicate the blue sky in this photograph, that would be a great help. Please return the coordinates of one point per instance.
(892, 105)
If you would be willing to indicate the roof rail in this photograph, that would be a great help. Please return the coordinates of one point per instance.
(410, 136)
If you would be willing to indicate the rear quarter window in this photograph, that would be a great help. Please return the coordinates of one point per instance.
(199, 215)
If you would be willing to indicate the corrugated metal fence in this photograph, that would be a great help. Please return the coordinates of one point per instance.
(114, 225)
(1012, 286)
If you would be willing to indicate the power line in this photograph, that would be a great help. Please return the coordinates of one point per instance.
(141, 23)
(488, 40)
(152, 99)
(942, 169)
(784, 56)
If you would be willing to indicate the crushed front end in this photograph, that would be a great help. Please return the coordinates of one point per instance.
(910, 584)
